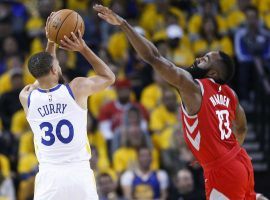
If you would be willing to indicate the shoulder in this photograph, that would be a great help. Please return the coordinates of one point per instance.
(126, 178)
(163, 178)
(157, 111)
(162, 174)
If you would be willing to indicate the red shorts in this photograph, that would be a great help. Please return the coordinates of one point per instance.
(233, 180)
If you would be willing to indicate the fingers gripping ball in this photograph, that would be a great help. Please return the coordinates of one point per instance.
(62, 23)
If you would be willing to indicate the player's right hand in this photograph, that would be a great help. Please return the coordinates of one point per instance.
(46, 26)
(108, 15)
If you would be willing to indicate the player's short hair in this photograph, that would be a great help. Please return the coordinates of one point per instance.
(40, 64)
(228, 68)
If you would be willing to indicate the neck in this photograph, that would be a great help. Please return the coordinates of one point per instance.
(47, 82)
(210, 37)
(144, 170)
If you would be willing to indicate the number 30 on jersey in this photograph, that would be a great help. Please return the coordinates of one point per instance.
(224, 124)
(48, 138)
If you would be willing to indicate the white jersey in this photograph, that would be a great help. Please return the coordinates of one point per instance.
(59, 125)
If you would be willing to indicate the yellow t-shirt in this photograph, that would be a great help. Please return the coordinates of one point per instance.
(151, 96)
(19, 123)
(26, 144)
(99, 142)
(27, 163)
(200, 47)
(266, 19)
(5, 166)
(263, 6)
(195, 23)
(182, 56)
(118, 45)
(34, 23)
(227, 5)
(161, 118)
(150, 19)
(235, 19)
(96, 101)
(5, 83)
(126, 158)
(1, 125)
(78, 5)
(163, 140)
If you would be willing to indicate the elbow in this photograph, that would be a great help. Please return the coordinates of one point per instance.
(111, 79)
(242, 131)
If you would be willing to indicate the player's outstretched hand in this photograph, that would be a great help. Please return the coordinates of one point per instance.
(46, 27)
(108, 15)
(76, 44)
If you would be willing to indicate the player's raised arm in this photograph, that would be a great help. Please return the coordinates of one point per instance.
(179, 78)
(51, 46)
(85, 86)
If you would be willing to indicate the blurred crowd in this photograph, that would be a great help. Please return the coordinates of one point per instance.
(134, 127)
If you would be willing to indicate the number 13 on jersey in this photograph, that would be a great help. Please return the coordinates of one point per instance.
(224, 124)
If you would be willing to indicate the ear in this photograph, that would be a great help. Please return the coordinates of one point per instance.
(54, 70)
(212, 74)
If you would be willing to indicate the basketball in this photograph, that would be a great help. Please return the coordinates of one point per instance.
(62, 23)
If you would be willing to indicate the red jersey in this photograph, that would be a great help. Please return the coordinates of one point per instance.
(209, 134)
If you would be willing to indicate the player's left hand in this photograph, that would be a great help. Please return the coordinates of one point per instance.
(108, 15)
(46, 27)
(76, 44)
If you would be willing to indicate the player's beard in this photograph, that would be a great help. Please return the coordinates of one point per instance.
(196, 72)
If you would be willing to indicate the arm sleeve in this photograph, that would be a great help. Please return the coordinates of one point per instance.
(126, 179)
(163, 179)
(105, 128)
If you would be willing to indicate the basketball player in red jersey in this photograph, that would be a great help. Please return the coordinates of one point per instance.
(214, 122)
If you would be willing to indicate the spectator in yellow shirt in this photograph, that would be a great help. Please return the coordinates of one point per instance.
(236, 16)
(161, 11)
(9, 101)
(151, 95)
(163, 120)
(210, 40)
(207, 8)
(4, 165)
(19, 124)
(179, 52)
(126, 156)
(97, 141)
(98, 100)
(26, 144)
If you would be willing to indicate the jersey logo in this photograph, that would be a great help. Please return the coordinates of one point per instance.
(50, 97)
(190, 130)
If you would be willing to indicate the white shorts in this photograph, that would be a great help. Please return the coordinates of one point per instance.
(65, 182)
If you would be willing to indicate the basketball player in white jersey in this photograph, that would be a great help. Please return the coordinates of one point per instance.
(57, 114)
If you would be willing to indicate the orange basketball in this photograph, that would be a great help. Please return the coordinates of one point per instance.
(63, 22)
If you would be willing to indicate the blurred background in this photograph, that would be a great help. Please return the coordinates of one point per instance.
(134, 126)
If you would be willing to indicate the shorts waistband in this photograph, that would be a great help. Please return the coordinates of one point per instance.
(59, 166)
(222, 160)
